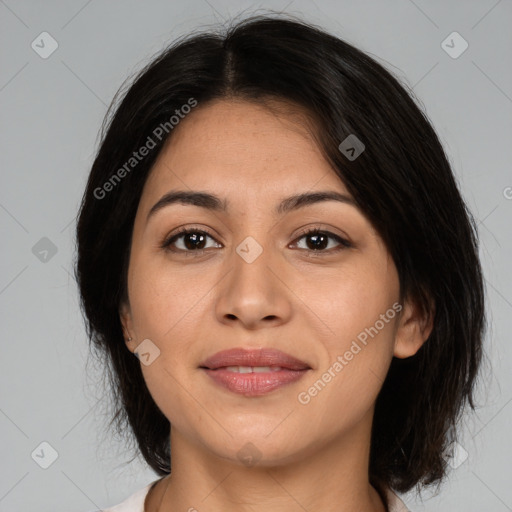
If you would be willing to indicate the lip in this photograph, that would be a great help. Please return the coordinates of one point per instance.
(254, 384)
(254, 357)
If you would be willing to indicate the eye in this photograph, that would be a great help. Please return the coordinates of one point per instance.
(319, 241)
(193, 240)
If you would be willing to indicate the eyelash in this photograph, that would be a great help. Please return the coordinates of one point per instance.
(166, 244)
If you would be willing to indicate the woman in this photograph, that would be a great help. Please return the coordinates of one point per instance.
(271, 226)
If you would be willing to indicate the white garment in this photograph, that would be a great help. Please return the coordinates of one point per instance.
(135, 503)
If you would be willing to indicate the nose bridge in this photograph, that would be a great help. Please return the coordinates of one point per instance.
(252, 290)
(250, 261)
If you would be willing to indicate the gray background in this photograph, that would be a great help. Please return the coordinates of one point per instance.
(51, 114)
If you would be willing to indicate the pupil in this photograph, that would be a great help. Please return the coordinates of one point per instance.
(318, 238)
(194, 237)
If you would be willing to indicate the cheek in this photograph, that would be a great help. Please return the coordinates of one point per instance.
(357, 345)
(165, 305)
(164, 298)
(171, 397)
(349, 301)
(349, 378)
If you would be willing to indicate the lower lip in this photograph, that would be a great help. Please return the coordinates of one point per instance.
(254, 384)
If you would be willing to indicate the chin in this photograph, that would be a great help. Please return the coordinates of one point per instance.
(259, 450)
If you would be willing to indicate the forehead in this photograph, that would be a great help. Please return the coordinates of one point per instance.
(238, 148)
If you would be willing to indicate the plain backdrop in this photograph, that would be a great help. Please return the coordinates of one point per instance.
(52, 109)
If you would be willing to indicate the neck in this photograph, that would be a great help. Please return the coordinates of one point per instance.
(331, 478)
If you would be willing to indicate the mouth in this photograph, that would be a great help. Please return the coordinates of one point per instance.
(253, 372)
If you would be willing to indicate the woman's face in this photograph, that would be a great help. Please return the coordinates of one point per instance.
(259, 283)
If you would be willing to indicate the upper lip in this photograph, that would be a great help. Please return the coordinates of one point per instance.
(254, 357)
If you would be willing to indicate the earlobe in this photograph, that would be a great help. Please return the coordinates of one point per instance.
(414, 327)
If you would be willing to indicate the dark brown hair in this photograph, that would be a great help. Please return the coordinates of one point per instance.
(402, 182)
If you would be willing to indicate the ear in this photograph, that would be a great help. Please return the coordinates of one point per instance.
(125, 316)
(414, 327)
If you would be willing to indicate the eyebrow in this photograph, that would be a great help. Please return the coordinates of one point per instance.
(215, 203)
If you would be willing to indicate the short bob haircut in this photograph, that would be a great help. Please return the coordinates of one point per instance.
(402, 182)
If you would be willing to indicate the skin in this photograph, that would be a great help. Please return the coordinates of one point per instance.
(312, 306)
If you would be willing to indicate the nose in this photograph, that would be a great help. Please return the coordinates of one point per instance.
(254, 293)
